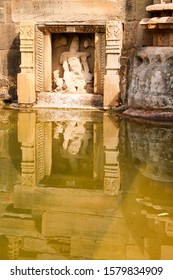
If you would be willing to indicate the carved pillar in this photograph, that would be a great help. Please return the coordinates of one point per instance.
(99, 63)
(47, 63)
(26, 79)
(113, 52)
(39, 60)
(111, 164)
(26, 135)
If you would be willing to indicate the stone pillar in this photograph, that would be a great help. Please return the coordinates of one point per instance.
(26, 79)
(111, 164)
(113, 52)
(26, 135)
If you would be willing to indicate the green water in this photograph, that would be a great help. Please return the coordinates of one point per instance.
(84, 185)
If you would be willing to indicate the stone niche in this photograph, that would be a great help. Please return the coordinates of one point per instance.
(50, 30)
(70, 58)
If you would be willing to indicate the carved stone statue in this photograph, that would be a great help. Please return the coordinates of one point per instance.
(76, 74)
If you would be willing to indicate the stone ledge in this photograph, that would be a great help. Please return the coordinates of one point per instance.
(69, 100)
(155, 115)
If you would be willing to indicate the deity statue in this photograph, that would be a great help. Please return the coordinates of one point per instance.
(76, 74)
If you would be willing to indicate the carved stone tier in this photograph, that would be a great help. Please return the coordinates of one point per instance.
(158, 23)
(159, 7)
(162, 24)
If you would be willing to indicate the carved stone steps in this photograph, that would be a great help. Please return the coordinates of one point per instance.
(157, 23)
(159, 7)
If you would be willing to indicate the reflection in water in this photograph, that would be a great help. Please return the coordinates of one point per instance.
(84, 185)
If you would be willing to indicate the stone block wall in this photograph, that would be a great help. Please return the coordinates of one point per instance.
(9, 52)
(12, 12)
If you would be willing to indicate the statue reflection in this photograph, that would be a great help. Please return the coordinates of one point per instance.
(76, 144)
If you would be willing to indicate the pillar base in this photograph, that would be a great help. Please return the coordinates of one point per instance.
(26, 88)
(111, 91)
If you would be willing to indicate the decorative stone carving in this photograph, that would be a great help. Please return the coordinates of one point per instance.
(113, 30)
(72, 28)
(39, 60)
(99, 63)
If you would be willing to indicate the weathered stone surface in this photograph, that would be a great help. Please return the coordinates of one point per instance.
(72, 10)
(151, 85)
(79, 201)
(1, 15)
(9, 63)
(9, 36)
(97, 249)
(7, 12)
(65, 100)
(74, 224)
